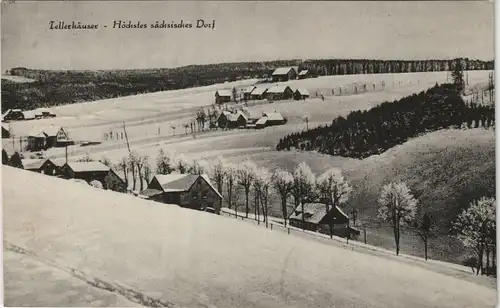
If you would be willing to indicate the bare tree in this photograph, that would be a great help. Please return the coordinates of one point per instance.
(146, 170)
(396, 205)
(123, 166)
(246, 176)
(217, 172)
(283, 183)
(231, 178)
(262, 184)
(139, 164)
(132, 165)
(333, 187)
(425, 230)
(304, 183)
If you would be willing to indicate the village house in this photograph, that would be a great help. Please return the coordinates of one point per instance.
(251, 116)
(304, 74)
(247, 91)
(317, 219)
(223, 96)
(13, 114)
(258, 93)
(91, 171)
(49, 137)
(231, 119)
(301, 94)
(274, 118)
(186, 190)
(284, 74)
(279, 93)
(44, 166)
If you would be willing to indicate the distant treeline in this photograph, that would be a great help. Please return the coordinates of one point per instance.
(365, 133)
(53, 88)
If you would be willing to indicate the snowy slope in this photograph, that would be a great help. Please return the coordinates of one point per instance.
(168, 255)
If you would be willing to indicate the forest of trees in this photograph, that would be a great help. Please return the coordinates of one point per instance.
(52, 88)
(365, 133)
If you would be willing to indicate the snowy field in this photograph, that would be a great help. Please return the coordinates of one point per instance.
(145, 114)
(165, 254)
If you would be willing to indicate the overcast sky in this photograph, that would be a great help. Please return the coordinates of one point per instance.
(244, 31)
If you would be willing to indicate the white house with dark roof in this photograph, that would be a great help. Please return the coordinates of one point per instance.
(186, 190)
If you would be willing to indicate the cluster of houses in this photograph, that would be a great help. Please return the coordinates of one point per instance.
(18, 114)
(249, 119)
(82, 171)
(52, 136)
(274, 93)
(185, 190)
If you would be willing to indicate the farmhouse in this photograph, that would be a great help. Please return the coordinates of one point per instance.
(284, 74)
(304, 74)
(90, 171)
(317, 219)
(186, 190)
(44, 166)
(231, 120)
(274, 118)
(247, 91)
(279, 93)
(5, 132)
(251, 116)
(53, 136)
(301, 94)
(223, 96)
(13, 114)
(258, 93)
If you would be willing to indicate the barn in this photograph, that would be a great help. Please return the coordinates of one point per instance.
(53, 136)
(231, 119)
(284, 74)
(247, 91)
(13, 114)
(304, 74)
(274, 118)
(279, 93)
(94, 170)
(223, 96)
(258, 93)
(301, 94)
(44, 166)
(186, 190)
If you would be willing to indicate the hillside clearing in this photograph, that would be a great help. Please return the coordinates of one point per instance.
(197, 259)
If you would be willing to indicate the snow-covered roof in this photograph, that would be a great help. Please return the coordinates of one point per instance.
(261, 121)
(274, 116)
(315, 212)
(303, 72)
(224, 93)
(31, 164)
(282, 71)
(302, 92)
(91, 166)
(29, 114)
(278, 89)
(176, 182)
(248, 89)
(258, 91)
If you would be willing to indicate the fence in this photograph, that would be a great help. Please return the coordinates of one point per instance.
(373, 238)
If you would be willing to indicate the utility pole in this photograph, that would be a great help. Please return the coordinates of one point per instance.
(66, 150)
(126, 137)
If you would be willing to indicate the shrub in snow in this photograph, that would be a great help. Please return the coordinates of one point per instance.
(96, 184)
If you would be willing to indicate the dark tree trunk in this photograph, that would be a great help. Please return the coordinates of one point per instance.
(425, 248)
(283, 208)
(247, 191)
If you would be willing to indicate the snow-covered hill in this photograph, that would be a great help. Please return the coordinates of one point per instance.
(160, 254)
